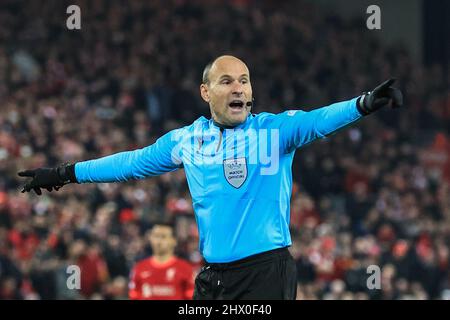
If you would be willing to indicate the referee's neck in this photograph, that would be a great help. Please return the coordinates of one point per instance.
(223, 126)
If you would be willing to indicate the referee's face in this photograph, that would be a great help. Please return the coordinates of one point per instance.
(228, 91)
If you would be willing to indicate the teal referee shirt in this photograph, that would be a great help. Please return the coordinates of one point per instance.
(240, 179)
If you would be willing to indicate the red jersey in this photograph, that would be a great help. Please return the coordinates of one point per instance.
(152, 280)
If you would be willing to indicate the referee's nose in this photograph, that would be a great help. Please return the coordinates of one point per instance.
(237, 89)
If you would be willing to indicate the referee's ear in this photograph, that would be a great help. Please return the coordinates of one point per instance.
(204, 92)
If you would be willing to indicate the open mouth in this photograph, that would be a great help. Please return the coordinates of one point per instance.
(236, 105)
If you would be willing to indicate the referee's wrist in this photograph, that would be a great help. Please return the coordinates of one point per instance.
(66, 173)
(360, 105)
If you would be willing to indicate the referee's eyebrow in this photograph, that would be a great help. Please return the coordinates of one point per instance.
(244, 75)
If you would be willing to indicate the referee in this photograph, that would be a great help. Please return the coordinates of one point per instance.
(238, 168)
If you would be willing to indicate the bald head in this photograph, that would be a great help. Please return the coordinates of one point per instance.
(221, 63)
(227, 89)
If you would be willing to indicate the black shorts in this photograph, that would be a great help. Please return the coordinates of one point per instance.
(271, 275)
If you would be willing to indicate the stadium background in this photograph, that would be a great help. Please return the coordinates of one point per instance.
(376, 193)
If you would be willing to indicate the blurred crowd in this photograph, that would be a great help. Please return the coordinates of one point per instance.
(377, 193)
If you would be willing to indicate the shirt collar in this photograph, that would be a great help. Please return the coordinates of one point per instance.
(223, 127)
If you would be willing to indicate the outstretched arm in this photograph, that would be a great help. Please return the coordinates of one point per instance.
(298, 128)
(153, 160)
(150, 161)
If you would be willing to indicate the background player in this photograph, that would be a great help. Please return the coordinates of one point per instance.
(163, 276)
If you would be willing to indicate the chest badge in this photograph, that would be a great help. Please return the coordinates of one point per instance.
(235, 171)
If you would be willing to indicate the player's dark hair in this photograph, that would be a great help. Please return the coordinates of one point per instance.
(164, 223)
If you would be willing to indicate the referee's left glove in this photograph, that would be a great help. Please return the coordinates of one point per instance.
(381, 96)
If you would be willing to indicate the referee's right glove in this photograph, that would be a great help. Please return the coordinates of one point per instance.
(381, 96)
(48, 178)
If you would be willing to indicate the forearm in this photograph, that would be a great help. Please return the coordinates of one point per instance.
(299, 128)
(122, 166)
(152, 160)
(114, 168)
(329, 119)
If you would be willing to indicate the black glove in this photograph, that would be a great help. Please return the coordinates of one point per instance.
(48, 178)
(381, 96)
